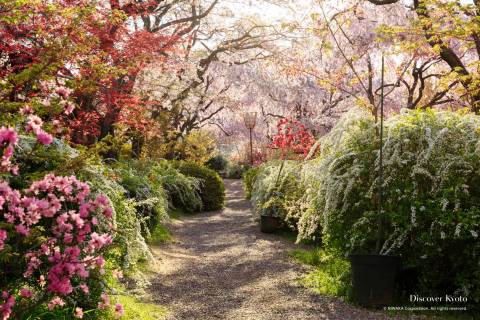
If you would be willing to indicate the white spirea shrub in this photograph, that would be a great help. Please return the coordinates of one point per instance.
(431, 191)
(431, 188)
(274, 185)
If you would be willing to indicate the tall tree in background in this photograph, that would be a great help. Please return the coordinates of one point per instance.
(198, 91)
(452, 31)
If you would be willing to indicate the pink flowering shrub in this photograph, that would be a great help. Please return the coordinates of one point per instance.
(52, 237)
(8, 140)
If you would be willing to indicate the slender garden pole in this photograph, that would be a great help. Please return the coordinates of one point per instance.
(250, 119)
(251, 148)
(380, 169)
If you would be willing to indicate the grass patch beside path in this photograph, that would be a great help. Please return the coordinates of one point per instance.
(176, 214)
(138, 310)
(160, 235)
(330, 275)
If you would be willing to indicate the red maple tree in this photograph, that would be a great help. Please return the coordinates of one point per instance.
(292, 139)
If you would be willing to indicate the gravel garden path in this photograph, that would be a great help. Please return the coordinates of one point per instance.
(220, 266)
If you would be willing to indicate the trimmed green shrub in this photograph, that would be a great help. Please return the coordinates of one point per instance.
(183, 191)
(148, 193)
(217, 163)
(212, 189)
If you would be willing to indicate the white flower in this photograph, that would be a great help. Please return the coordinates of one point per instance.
(444, 203)
(457, 206)
(442, 235)
(422, 208)
(457, 230)
(423, 257)
(413, 216)
(474, 234)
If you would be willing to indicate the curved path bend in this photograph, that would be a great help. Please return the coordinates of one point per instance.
(220, 266)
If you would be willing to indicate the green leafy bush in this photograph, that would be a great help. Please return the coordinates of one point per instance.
(249, 178)
(150, 197)
(217, 163)
(212, 190)
(183, 191)
(431, 189)
(275, 184)
(235, 170)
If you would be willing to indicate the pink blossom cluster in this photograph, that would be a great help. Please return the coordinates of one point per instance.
(7, 305)
(64, 93)
(34, 124)
(3, 237)
(8, 140)
(64, 261)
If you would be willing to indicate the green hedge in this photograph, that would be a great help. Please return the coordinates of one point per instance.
(150, 196)
(183, 191)
(212, 189)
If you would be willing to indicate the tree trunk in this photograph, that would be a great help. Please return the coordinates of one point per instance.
(137, 145)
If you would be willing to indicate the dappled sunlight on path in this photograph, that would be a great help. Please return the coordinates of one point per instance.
(221, 266)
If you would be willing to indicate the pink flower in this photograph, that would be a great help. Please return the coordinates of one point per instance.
(41, 281)
(119, 310)
(84, 288)
(26, 110)
(69, 107)
(57, 126)
(117, 274)
(98, 241)
(63, 92)
(3, 237)
(105, 303)
(7, 306)
(34, 123)
(8, 136)
(108, 212)
(78, 313)
(102, 200)
(8, 139)
(25, 293)
(22, 230)
(44, 138)
(100, 262)
(55, 302)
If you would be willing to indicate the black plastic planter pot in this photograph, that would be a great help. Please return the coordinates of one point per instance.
(374, 279)
(270, 224)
